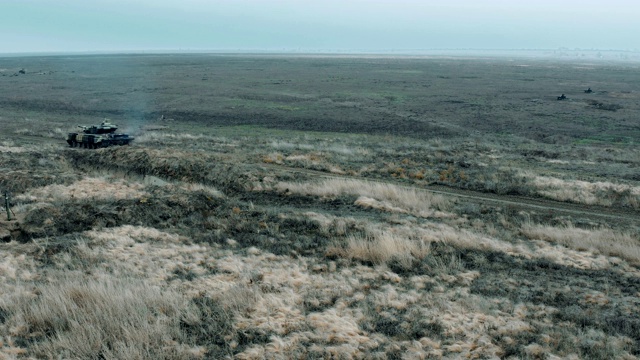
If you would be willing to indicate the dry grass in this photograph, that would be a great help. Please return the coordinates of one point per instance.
(16, 267)
(370, 203)
(151, 137)
(411, 242)
(148, 253)
(381, 247)
(385, 196)
(285, 307)
(323, 146)
(195, 187)
(102, 188)
(591, 193)
(603, 241)
(83, 318)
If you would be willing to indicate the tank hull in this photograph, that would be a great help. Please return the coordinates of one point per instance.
(95, 141)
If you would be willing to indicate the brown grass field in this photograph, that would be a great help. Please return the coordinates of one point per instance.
(321, 207)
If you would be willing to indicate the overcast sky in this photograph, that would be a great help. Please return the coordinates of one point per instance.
(306, 25)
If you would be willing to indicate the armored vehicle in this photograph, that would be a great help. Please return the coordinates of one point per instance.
(97, 136)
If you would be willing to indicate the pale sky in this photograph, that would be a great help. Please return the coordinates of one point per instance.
(322, 25)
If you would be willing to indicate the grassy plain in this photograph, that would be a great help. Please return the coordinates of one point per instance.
(277, 206)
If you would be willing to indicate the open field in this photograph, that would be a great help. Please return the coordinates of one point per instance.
(321, 207)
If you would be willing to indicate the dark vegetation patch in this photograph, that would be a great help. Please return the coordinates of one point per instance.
(541, 153)
(539, 281)
(182, 273)
(358, 122)
(318, 300)
(195, 214)
(4, 315)
(49, 251)
(542, 282)
(164, 210)
(22, 171)
(197, 167)
(336, 206)
(19, 181)
(384, 320)
(210, 329)
(604, 106)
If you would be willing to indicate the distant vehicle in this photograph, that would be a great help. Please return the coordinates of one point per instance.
(98, 136)
(562, 97)
(588, 91)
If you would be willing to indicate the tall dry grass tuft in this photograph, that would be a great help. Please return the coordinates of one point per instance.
(107, 318)
(591, 193)
(605, 241)
(382, 246)
(386, 196)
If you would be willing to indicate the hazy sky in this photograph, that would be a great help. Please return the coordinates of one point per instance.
(330, 25)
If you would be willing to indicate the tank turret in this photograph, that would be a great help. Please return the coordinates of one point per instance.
(96, 136)
(104, 128)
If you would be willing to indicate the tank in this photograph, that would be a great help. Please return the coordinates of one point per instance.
(98, 136)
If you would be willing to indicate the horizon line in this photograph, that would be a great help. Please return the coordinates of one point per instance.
(596, 54)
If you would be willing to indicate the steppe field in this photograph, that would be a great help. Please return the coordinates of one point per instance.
(320, 207)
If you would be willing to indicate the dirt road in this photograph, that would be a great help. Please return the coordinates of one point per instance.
(621, 215)
(538, 204)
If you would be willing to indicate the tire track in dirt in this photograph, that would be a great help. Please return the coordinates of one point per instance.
(540, 204)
